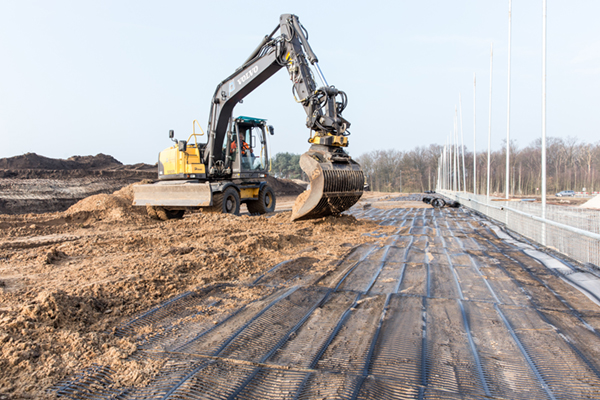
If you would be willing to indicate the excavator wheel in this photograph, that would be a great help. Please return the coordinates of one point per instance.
(227, 202)
(166, 214)
(151, 212)
(336, 184)
(264, 204)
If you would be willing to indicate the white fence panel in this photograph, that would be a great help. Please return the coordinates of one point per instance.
(569, 230)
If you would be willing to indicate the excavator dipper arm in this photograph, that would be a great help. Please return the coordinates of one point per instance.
(336, 181)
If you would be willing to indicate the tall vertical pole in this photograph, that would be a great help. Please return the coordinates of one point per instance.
(455, 159)
(490, 125)
(447, 180)
(439, 182)
(508, 107)
(449, 161)
(445, 170)
(462, 144)
(474, 137)
(443, 156)
(450, 181)
(544, 122)
(447, 164)
(439, 173)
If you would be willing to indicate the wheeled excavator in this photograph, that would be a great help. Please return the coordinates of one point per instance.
(232, 166)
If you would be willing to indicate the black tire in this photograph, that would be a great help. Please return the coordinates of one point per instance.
(265, 203)
(227, 202)
(166, 214)
(151, 212)
(438, 203)
(161, 213)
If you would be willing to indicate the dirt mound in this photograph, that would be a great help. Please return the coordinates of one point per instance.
(98, 202)
(61, 309)
(285, 187)
(107, 207)
(31, 183)
(98, 161)
(35, 161)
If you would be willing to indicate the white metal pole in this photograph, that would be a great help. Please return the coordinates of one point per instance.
(544, 122)
(439, 173)
(490, 124)
(451, 149)
(450, 181)
(444, 168)
(447, 172)
(444, 165)
(474, 137)
(449, 160)
(508, 107)
(462, 144)
(455, 158)
(447, 165)
(439, 182)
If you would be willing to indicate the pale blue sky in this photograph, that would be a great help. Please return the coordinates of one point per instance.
(88, 77)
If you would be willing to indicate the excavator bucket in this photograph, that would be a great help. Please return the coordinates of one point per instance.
(336, 184)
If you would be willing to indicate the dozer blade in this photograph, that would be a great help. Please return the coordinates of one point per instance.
(336, 184)
(173, 194)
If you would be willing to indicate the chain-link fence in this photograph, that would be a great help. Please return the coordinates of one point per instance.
(569, 230)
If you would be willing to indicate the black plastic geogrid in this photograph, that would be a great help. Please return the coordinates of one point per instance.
(425, 339)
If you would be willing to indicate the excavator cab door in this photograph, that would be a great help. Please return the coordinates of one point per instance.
(251, 155)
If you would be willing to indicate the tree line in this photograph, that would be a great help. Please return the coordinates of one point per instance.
(286, 166)
(570, 165)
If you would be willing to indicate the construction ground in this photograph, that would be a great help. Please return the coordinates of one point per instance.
(392, 300)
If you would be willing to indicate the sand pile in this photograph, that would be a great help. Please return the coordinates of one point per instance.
(594, 202)
(107, 207)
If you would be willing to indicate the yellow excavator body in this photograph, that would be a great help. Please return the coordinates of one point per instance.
(177, 162)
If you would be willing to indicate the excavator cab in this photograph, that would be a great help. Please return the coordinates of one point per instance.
(247, 144)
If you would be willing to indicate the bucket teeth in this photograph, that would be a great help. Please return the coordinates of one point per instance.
(336, 184)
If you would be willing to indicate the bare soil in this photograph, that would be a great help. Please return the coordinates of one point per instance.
(69, 278)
